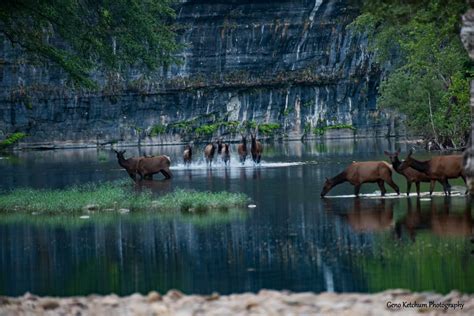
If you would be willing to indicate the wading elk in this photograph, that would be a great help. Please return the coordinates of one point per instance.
(188, 154)
(225, 153)
(242, 149)
(256, 149)
(130, 164)
(440, 168)
(358, 173)
(410, 174)
(148, 166)
(209, 151)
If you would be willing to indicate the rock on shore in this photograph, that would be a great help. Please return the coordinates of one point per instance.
(264, 303)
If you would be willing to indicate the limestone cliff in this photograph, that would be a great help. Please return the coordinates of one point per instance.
(293, 64)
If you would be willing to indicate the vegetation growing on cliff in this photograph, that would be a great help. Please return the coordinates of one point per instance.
(80, 35)
(12, 139)
(428, 69)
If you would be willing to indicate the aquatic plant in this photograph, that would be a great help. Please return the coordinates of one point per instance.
(113, 196)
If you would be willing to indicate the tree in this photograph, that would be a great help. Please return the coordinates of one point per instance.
(80, 35)
(427, 69)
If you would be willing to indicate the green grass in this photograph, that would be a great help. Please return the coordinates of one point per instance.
(114, 196)
(12, 139)
(193, 201)
(157, 129)
(268, 128)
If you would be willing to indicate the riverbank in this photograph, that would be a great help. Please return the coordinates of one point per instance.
(263, 303)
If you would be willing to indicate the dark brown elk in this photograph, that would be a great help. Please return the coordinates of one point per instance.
(242, 149)
(220, 146)
(188, 155)
(148, 166)
(225, 153)
(439, 168)
(256, 149)
(358, 173)
(130, 164)
(209, 152)
(410, 174)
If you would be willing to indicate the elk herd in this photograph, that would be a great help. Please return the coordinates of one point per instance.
(437, 169)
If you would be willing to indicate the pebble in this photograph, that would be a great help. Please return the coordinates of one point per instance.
(84, 217)
(124, 211)
(266, 302)
(252, 206)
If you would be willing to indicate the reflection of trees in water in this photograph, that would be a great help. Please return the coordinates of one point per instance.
(435, 257)
(124, 255)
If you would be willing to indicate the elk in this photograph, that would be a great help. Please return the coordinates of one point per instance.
(148, 166)
(209, 151)
(188, 154)
(439, 168)
(358, 173)
(225, 153)
(130, 164)
(410, 174)
(256, 149)
(242, 149)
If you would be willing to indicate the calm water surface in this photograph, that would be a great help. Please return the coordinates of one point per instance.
(292, 240)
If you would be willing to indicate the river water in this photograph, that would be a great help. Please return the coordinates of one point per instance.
(291, 240)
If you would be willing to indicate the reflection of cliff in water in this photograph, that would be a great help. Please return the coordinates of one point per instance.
(126, 255)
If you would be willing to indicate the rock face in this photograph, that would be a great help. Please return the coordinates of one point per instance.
(290, 63)
(467, 36)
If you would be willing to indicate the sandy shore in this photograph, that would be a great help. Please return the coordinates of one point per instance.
(263, 303)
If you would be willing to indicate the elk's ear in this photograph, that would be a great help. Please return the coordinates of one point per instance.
(327, 179)
(386, 153)
(123, 151)
(397, 152)
(410, 153)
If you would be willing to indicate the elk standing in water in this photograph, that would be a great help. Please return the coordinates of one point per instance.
(256, 149)
(209, 152)
(225, 153)
(130, 164)
(440, 168)
(148, 166)
(188, 155)
(410, 174)
(242, 150)
(358, 173)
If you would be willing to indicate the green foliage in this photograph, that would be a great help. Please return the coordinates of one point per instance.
(157, 129)
(80, 35)
(319, 131)
(12, 139)
(268, 128)
(430, 70)
(113, 196)
(207, 130)
(192, 201)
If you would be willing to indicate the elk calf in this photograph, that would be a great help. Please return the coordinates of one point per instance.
(209, 152)
(188, 155)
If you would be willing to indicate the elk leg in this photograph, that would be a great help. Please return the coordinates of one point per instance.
(356, 190)
(167, 173)
(465, 183)
(432, 185)
(382, 187)
(258, 159)
(408, 187)
(132, 175)
(393, 185)
(417, 187)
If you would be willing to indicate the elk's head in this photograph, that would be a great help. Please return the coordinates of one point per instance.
(120, 154)
(327, 186)
(407, 162)
(393, 157)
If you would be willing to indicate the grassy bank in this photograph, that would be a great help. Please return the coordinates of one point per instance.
(113, 196)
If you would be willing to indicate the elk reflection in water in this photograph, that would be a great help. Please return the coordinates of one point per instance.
(371, 215)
